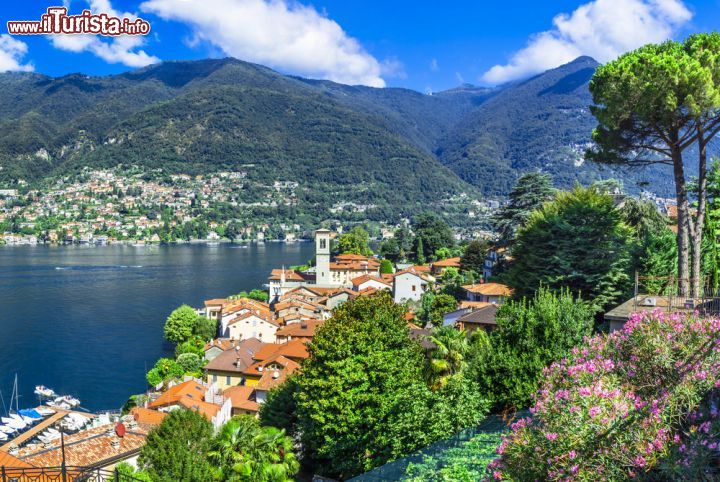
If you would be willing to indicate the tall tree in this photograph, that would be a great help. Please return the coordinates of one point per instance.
(448, 355)
(355, 241)
(361, 396)
(529, 193)
(531, 334)
(434, 233)
(651, 105)
(578, 241)
(180, 324)
(473, 258)
(177, 448)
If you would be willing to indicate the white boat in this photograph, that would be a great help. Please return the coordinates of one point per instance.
(13, 423)
(44, 391)
(19, 419)
(3, 436)
(46, 412)
(27, 420)
(6, 429)
(67, 399)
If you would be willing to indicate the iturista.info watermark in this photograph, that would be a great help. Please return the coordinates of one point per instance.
(57, 21)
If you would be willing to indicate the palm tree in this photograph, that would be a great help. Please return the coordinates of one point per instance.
(245, 451)
(274, 460)
(447, 357)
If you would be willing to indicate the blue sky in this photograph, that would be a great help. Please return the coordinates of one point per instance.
(418, 45)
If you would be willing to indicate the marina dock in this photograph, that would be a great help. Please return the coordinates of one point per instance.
(39, 428)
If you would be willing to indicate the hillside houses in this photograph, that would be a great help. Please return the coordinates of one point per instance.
(347, 275)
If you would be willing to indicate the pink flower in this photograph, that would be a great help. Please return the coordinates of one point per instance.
(594, 411)
(551, 436)
(640, 461)
(497, 475)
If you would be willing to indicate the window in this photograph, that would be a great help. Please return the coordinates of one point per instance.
(323, 244)
(228, 381)
(214, 378)
(414, 288)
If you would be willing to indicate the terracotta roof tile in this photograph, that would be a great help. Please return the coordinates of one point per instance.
(489, 289)
(90, 447)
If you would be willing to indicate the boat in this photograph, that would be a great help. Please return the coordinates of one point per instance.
(44, 391)
(7, 429)
(63, 405)
(45, 412)
(67, 399)
(31, 413)
(13, 423)
(19, 419)
(3, 436)
(27, 419)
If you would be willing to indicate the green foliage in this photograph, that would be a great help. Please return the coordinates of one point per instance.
(205, 328)
(447, 358)
(432, 234)
(361, 398)
(643, 216)
(529, 193)
(464, 462)
(175, 450)
(245, 451)
(530, 335)
(441, 304)
(578, 241)
(128, 472)
(473, 258)
(355, 241)
(194, 345)
(180, 324)
(279, 407)
(386, 266)
(190, 362)
(656, 257)
(164, 369)
(255, 294)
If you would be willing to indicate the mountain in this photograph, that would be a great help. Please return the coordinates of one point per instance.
(542, 123)
(395, 149)
(195, 117)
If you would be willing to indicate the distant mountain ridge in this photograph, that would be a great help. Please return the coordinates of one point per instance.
(392, 145)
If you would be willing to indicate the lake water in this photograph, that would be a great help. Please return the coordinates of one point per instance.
(88, 320)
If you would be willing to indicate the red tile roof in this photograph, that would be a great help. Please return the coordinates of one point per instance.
(242, 397)
(489, 289)
(147, 416)
(92, 447)
(172, 395)
(447, 263)
(303, 329)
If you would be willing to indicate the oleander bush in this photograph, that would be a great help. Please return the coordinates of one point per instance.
(624, 405)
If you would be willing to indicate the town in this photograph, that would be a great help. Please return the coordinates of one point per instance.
(128, 205)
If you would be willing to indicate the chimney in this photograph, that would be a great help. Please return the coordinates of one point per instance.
(276, 375)
(238, 362)
(260, 368)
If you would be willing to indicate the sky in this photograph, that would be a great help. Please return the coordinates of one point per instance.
(421, 45)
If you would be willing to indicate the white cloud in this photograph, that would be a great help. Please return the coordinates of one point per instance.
(434, 65)
(602, 29)
(11, 53)
(123, 50)
(289, 36)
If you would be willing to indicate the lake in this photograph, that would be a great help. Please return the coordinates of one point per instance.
(88, 320)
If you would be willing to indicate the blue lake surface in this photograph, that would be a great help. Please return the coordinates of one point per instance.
(88, 320)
